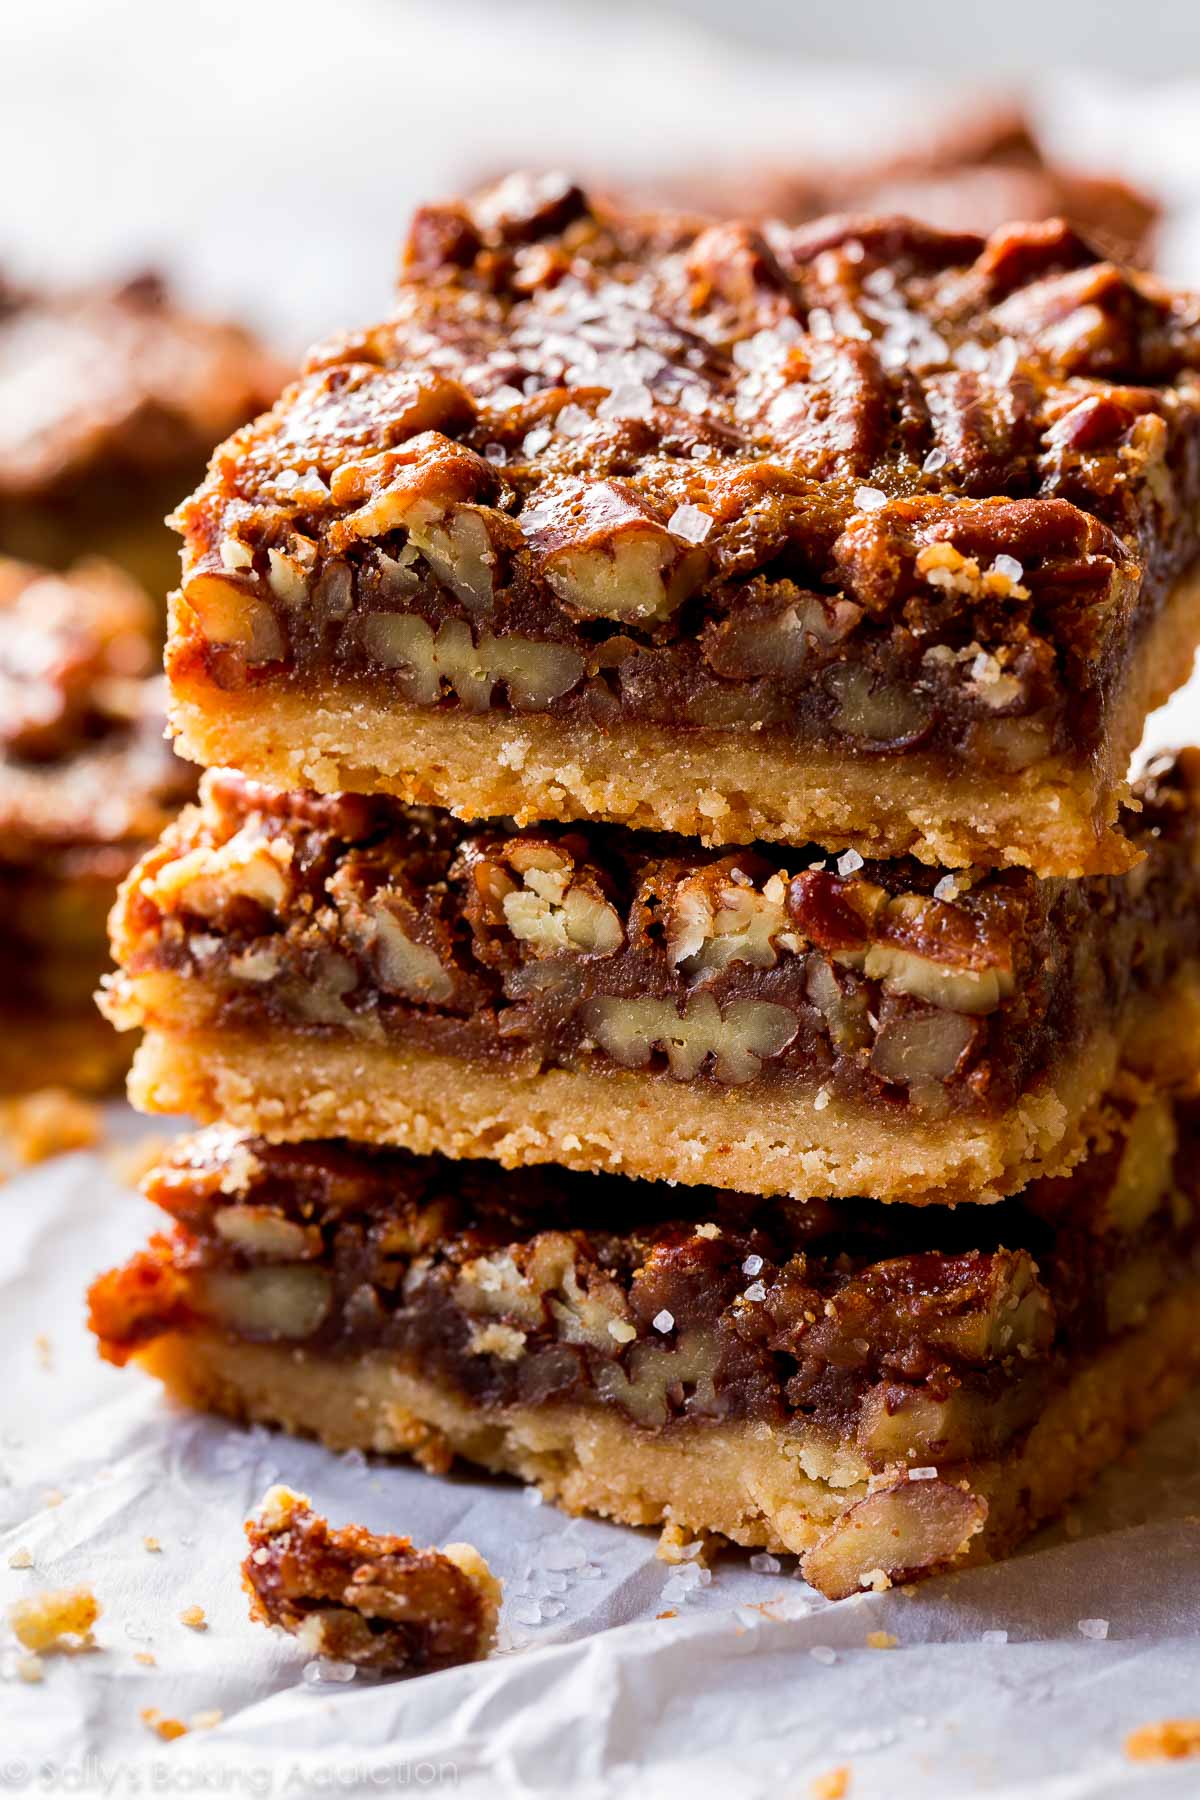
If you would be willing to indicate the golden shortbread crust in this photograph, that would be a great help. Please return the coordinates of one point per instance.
(1055, 817)
(753, 1483)
(285, 1085)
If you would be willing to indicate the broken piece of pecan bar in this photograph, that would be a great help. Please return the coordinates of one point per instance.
(886, 1390)
(856, 533)
(86, 785)
(111, 399)
(309, 966)
(362, 1597)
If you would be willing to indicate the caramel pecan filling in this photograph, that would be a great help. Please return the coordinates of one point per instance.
(889, 1327)
(598, 947)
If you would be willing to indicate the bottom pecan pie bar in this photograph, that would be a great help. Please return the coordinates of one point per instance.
(887, 1391)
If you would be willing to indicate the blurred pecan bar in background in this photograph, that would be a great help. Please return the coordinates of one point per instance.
(976, 171)
(366, 1598)
(311, 966)
(110, 401)
(887, 1390)
(87, 782)
(856, 533)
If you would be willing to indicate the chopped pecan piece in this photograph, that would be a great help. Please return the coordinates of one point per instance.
(903, 1530)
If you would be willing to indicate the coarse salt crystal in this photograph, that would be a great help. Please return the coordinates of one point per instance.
(850, 863)
(622, 1330)
(869, 499)
(821, 1099)
(572, 420)
(551, 1608)
(752, 1265)
(690, 523)
(1005, 357)
(1093, 1628)
(756, 1291)
(765, 1564)
(324, 1668)
(563, 1554)
(663, 1321)
(628, 400)
(946, 889)
(530, 1613)
(1008, 565)
(821, 1653)
(495, 453)
(928, 1474)
(936, 460)
(536, 440)
(994, 1637)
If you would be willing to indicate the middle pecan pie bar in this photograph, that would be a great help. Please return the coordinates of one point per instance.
(886, 1389)
(308, 966)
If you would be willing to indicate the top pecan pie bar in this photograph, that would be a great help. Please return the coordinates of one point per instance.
(857, 533)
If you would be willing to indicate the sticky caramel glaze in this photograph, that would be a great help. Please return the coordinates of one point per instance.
(884, 1327)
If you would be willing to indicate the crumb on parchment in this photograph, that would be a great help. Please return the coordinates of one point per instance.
(55, 1621)
(1167, 1740)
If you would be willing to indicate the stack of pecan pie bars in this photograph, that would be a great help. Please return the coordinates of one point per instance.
(687, 1007)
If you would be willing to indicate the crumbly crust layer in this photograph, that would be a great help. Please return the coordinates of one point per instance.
(287, 1088)
(747, 1482)
(1057, 817)
(860, 482)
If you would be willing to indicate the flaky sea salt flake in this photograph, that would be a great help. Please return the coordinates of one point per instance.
(324, 1668)
(690, 523)
(869, 499)
(763, 1563)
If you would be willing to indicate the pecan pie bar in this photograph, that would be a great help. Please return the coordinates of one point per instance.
(314, 966)
(358, 1597)
(110, 401)
(975, 172)
(856, 533)
(87, 782)
(888, 1391)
